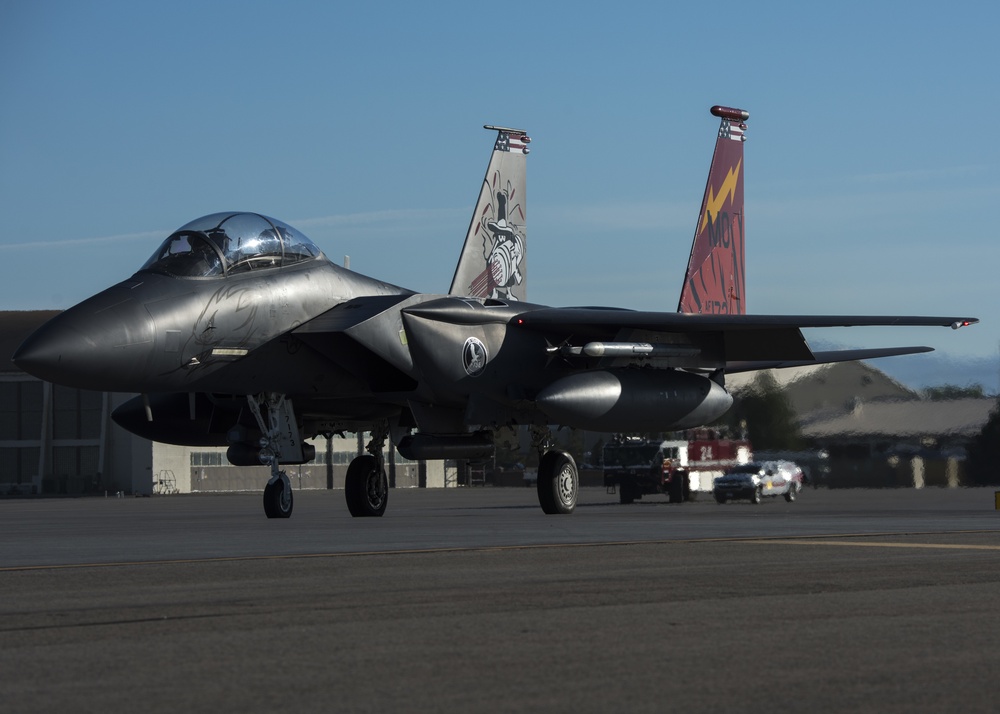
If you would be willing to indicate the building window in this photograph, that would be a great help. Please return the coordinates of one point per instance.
(18, 464)
(20, 410)
(208, 458)
(76, 413)
(74, 470)
(72, 460)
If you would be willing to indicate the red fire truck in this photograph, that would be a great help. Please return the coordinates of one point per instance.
(679, 468)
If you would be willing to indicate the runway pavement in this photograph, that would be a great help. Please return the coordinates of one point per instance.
(473, 600)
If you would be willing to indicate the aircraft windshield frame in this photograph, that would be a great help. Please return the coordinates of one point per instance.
(224, 244)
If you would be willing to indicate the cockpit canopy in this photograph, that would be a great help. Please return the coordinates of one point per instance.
(230, 243)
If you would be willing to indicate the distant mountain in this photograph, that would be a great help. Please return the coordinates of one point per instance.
(935, 370)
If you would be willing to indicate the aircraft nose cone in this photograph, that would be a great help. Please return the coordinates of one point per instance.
(101, 344)
(42, 353)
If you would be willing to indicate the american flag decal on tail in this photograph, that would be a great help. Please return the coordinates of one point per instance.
(507, 141)
(728, 130)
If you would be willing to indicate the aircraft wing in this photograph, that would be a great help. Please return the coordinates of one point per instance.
(584, 317)
(734, 342)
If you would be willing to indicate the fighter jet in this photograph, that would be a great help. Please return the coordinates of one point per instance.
(239, 332)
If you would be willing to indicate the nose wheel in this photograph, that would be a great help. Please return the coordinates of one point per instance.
(279, 432)
(278, 499)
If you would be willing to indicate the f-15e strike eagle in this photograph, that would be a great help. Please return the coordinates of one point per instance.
(238, 331)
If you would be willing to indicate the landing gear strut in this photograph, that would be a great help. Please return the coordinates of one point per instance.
(366, 487)
(278, 499)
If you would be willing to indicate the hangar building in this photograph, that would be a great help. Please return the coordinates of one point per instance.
(62, 440)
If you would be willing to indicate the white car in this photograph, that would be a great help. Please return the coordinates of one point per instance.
(758, 479)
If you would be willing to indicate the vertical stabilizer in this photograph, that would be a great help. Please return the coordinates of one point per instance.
(493, 262)
(715, 278)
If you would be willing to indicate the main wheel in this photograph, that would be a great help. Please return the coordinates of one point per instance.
(278, 499)
(366, 487)
(558, 482)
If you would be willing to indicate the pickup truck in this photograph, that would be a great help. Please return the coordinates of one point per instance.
(758, 479)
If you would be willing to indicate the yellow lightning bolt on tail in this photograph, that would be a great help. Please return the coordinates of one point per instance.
(715, 202)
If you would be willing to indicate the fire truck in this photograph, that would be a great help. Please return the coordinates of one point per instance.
(679, 468)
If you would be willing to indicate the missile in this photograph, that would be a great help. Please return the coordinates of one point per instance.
(631, 349)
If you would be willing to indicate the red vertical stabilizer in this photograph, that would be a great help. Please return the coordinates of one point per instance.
(715, 282)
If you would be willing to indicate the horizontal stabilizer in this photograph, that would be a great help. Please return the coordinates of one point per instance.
(826, 357)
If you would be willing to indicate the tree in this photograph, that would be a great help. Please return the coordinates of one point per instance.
(983, 464)
(953, 391)
(767, 413)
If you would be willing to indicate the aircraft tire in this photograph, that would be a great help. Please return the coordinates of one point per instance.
(278, 498)
(558, 483)
(366, 488)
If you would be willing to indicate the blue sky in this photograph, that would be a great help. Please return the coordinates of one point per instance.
(871, 160)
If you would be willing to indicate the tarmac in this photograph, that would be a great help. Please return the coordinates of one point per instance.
(473, 600)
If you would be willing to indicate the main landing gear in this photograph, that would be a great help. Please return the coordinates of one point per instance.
(558, 478)
(558, 483)
(367, 487)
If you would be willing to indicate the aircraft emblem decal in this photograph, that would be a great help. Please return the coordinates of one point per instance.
(474, 357)
(503, 247)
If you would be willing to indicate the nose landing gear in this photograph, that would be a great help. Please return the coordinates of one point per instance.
(278, 497)
(366, 486)
(279, 429)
